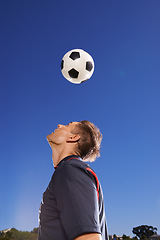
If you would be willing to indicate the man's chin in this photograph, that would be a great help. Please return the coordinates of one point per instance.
(48, 139)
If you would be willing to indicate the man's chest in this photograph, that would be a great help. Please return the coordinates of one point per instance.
(48, 211)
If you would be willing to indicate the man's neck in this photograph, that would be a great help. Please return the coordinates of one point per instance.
(59, 154)
(56, 157)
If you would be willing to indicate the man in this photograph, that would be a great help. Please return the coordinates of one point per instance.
(72, 205)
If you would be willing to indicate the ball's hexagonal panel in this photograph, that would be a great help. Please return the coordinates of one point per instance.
(62, 64)
(74, 55)
(73, 73)
(89, 66)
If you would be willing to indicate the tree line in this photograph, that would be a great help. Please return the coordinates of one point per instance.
(14, 234)
(141, 233)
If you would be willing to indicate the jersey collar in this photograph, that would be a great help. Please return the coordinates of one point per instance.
(68, 158)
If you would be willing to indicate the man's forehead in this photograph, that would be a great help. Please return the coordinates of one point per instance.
(73, 125)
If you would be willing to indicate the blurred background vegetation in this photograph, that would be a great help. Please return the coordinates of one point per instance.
(143, 232)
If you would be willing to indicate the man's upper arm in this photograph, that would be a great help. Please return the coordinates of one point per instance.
(76, 196)
(90, 236)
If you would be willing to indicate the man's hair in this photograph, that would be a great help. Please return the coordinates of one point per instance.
(89, 142)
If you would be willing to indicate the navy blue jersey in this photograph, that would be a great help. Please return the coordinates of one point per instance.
(72, 204)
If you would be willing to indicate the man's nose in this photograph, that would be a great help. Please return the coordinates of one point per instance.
(60, 125)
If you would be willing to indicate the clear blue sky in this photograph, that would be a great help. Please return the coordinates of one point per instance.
(122, 98)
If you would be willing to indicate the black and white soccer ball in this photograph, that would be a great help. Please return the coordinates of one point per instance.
(77, 66)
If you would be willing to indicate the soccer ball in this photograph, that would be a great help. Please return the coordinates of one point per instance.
(77, 66)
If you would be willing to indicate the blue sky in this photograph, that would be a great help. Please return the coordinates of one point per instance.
(122, 98)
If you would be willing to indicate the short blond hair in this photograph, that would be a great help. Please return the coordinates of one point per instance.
(89, 142)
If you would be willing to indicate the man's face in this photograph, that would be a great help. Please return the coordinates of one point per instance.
(62, 133)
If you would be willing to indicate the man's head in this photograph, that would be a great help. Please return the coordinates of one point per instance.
(89, 142)
(82, 138)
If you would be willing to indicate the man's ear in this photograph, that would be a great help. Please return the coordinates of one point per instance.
(73, 138)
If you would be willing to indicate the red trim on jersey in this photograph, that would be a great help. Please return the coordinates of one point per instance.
(72, 158)
(96, 180)
(67, 160)
(90, 170)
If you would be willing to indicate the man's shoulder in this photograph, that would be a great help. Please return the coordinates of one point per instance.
(79, 163)
(74, 168)
(72, 161)
(71, 167)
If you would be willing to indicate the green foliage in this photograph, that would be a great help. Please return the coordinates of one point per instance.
(135, 238)
(14, 234)
(35, 230)
(126, 237)
(144, 231)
